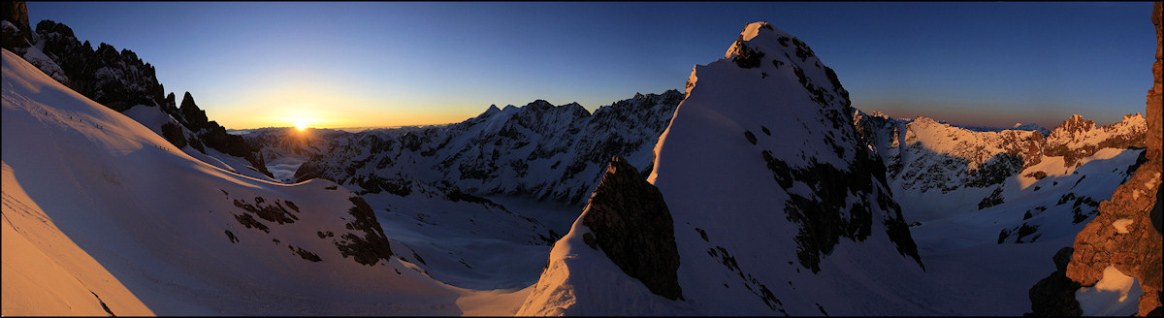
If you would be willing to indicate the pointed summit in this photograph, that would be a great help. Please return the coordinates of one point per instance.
(490, 111)
(771, 195)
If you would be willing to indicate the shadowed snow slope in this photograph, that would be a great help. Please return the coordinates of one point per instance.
(105, 210)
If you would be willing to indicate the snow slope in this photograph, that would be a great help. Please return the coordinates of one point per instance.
(183, 236)
(45, 273)
(777, 208)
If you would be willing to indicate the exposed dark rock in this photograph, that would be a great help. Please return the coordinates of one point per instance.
(1055, 295)
(103, 305)
(307, 171)
(174, 135)
(995, 170)
(372, 246)
(248, 220)
(750, 282)
(630, 223)
(230, 235)
(375, 184)
(746, 57)
(270, 212)
(995, 198)
(456, 195)
(305, 254)
(821, 224)
(15, 40)
(1026, 230)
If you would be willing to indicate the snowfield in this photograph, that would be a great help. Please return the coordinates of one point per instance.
(132, 222)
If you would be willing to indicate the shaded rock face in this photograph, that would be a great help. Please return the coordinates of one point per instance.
(1055, 295)
(821, 227)
(17, 36)
(629, 221)
(1137, 252)
(117, 79)
(373, 246)
(213, 135)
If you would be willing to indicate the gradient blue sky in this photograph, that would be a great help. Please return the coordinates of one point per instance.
(385, 64)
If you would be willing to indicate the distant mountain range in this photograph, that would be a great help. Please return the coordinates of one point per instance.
(758, 190)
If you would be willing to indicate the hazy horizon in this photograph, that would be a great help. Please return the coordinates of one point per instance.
(403, 64)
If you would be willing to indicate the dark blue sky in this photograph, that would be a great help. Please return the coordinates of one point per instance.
(384, 64)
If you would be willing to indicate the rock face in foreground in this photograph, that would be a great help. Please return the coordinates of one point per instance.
(1135, 249)
(1054, 296)
(630, 222)
(17, 36)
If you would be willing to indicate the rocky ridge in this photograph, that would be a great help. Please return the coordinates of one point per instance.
(925, 155)
(117, 79)
(1134, 250)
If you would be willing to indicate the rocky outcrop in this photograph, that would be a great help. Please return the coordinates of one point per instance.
(1054, 296)
(118, 79)
(1135, 249)
(18, 35)
(373, 245)
(629, 221)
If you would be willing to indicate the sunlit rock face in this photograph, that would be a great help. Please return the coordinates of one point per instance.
(1134, 248)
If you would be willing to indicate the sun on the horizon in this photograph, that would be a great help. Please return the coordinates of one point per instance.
(301, 124)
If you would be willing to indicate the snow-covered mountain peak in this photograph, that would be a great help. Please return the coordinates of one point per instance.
(751, 31)
(540, 104)
(772, 195)
(1078, 132)
(1134, 119)
(1075, 123)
